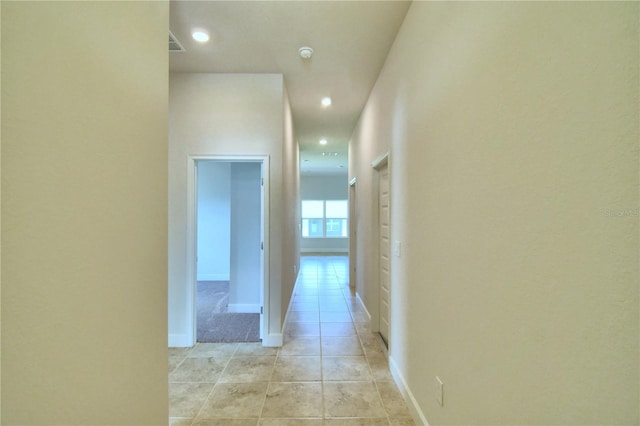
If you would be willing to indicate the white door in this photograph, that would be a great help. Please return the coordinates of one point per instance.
(383, 251)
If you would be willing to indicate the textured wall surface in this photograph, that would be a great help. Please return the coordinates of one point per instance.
(246, 226)
(230, 114)
(513, 131)
(214, 221)
(291, 189)
(84, 213)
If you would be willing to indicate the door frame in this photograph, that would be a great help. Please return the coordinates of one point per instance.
(353, 233)
(191, 252)
(377, 164)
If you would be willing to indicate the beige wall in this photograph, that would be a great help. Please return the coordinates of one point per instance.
(229, 114)
(84, 213)
(0, 219)
(291, 192)
(513, 131)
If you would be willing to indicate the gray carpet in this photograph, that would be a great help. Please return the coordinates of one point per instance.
(215, 324)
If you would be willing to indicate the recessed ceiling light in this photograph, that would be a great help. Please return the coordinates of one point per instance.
(323, 141)
(200, 36)
(326, 101)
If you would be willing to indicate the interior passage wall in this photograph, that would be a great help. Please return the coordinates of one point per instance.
(84, 213)
(324, 187)
(227, 114)
(244, 287)
(214, 221)
(291, 190)
(513, 131)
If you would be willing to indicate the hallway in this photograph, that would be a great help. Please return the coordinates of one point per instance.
(330, 371)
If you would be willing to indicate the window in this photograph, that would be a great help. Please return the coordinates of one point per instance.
(336, 213)
(312, 218)
(325, 219)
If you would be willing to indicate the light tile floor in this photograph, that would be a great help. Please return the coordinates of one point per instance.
(330, 371)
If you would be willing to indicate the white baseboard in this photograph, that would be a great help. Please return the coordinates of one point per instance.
(179, 341)
(340, 250)
(213, 277)
(366, 311)
(286, 316)
(245, 308)
(273, 340)
(414, 408)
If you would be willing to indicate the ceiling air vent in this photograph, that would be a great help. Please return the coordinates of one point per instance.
(174, 44)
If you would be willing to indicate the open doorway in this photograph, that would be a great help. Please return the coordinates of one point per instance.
(228, 256)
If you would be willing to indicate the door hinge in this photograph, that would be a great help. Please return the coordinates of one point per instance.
(261, 310)
(262, 245)
(261, 181)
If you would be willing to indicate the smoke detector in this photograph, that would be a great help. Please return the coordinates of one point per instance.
(305, 52)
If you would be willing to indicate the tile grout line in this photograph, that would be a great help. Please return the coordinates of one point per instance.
(210, 392)
(273, 369)
(322, 405)
(329, 289)
(217, 380)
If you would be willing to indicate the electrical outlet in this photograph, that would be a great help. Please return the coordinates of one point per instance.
(439, 391)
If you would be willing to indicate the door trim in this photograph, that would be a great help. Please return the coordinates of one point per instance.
(353, 233)
(380, 162)
(191, 277)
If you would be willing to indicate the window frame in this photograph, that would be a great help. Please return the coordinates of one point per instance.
(324, 219)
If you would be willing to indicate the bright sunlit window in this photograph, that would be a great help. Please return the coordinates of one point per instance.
(325, 218)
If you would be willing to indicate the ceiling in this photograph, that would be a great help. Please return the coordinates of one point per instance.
(350, 40)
